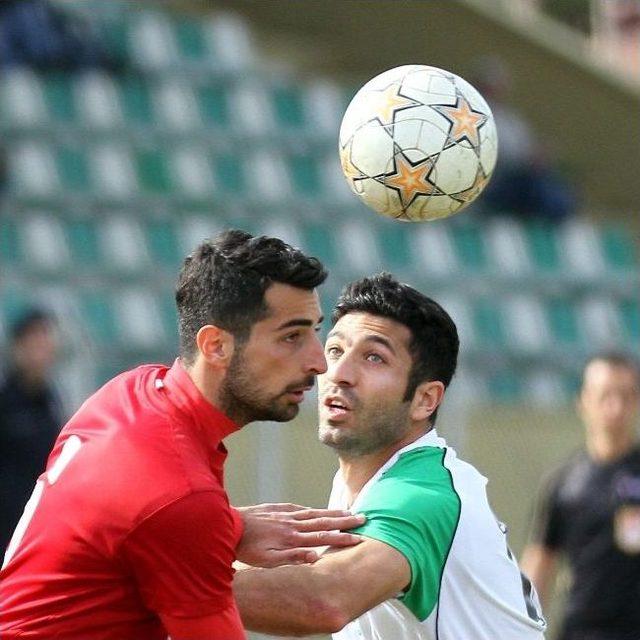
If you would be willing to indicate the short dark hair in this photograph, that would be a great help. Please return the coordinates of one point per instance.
(434, 338)
(615, 359)
(28, 320)
(223, 282)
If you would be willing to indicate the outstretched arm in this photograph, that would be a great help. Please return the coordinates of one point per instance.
(321, 597)
(277, 534)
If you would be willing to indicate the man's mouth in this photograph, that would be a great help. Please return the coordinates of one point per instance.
(337, 406)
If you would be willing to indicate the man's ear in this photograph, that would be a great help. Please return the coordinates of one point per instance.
(426, 399)
(215, 345)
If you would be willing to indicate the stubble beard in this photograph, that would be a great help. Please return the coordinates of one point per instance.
(242, 399)
(377, 428)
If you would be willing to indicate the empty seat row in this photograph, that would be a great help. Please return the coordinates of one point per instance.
(120, 171)
(441, 254)
(103, 103)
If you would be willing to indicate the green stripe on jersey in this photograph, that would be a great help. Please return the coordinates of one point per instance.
(414, 508)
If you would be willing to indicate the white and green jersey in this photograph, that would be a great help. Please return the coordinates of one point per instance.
(465, 583)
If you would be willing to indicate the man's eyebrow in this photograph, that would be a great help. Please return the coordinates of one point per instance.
(372, 337)
(299, 322)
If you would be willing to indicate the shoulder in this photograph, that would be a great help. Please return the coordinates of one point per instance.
(418, 488)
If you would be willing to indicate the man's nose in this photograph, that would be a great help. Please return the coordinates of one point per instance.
(317, 362)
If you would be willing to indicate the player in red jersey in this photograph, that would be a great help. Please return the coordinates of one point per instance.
(129, 533)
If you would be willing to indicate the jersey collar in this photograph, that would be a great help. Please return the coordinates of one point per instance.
(183, 394)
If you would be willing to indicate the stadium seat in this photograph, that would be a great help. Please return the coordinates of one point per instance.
(22, 102)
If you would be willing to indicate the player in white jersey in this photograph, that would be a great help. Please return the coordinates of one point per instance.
(434, 563)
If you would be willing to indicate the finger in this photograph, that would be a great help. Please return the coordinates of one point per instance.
(329, 524)
(309, 514)
(290, 556)
(327, 538)
(282, 507)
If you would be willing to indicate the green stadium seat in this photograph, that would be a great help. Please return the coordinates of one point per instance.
(192, 172)
(213, 103)
(191, 41)
(251, 109)
(136, 101)
(288, 107)
(581, 249)
(176, 106)
(335, 186)
(82, 240)
(113, 171)
(320, 241)
(305, 176)
(150, 41)
(620, 250)
(44, 243)
(524, 323)
(229, 42)
(325, 105)
(394, 245)
(98, 101)
(21, 100)
(138, 317)
(433, 251)
(230, 174)
(543, 247)
(59, 98)
(163, 243)
(97, 312)
(544, 387)
(32, 170)
(11, 253)
(359, 250)
(506, 246)
(600, 323)
(505, 387)
(468, 242)
(462, 313)
(122, 245)
(489, 324)
(269, 178)
(630, 316)
(562, 322)
(153, 172)
(73, 170)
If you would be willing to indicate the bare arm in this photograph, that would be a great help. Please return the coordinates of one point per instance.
(322, 597)
(539, 564)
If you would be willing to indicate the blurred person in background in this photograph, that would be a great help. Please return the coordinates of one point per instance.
(434, 562)
(31, 413)
(525, 182)
(42, 35)
(129, 534)
(589, 512)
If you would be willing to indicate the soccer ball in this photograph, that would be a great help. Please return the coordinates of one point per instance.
(418, 143)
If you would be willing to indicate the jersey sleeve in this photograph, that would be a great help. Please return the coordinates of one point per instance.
(182, 555)
(547, 521)
(420, 523)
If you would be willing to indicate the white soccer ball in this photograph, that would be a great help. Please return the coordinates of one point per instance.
(418, 143)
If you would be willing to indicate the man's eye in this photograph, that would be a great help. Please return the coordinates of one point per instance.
(374, 357)
(292, 337)
(332, 352)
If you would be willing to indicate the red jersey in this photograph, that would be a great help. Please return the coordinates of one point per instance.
(130, 525)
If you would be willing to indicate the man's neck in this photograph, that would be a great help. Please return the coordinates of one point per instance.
(358, 470)
(604, 449)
